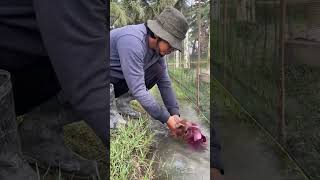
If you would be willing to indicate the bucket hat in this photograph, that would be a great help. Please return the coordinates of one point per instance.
(171, 25)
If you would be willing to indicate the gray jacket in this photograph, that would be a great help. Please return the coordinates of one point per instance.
(129, 57)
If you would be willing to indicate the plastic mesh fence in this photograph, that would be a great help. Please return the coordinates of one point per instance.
(186, 79)
(266, 54)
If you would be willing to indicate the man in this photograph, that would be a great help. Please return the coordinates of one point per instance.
(137, 63)
(48, 46)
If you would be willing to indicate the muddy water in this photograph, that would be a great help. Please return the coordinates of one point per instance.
(177, 159)
(248, 153)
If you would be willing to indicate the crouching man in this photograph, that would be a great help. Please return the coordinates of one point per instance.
(137, 64)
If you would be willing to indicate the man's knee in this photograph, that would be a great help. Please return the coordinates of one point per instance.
(153, 74)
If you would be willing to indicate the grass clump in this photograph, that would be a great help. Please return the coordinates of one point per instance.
(130, 151)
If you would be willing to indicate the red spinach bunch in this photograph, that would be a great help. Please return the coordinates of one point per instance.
(190, 132)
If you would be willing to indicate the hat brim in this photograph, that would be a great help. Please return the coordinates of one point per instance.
(163, 34)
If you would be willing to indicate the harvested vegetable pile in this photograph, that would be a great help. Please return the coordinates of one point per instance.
(191, 134)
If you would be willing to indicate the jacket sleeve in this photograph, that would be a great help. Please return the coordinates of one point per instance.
(75, 36)
(165, 87)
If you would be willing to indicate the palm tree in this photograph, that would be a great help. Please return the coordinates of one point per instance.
(192, 15)
(118, 16)
(124, 12)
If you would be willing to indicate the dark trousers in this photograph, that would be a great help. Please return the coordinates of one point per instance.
(31, 30)
(151, 75)
(33, 83)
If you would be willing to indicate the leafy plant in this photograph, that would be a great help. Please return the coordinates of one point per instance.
(191, 134)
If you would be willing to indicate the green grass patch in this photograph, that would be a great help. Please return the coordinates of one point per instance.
(184, 83)
(130, 156)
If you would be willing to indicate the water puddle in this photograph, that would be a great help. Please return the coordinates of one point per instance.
(177, 159)
(250, 154)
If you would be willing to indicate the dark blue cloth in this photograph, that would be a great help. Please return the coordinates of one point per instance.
(49, 44)
(215, 151)
(152, 76)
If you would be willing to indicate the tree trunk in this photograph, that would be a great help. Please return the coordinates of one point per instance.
(242, 12)
(209, 58)
(186, 56)
(194, 46)
(177, 58)
(253, 11)
(198, 63)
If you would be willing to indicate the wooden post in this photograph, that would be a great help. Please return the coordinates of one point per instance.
(186, 52)
(282, 92)
(199, 57)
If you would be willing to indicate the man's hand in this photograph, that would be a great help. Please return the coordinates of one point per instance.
(177, 118)
(173, 124)
(215, 174)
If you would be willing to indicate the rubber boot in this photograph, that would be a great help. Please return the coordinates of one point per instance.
(124, 108)
(42, 140)
(12, 166)
(116, 119)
